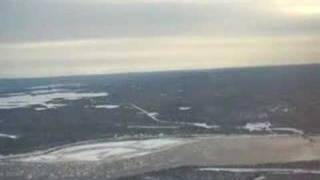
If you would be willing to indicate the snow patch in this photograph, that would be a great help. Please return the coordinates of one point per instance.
(104, 151)
(184, 108)
(260, 126)
(10, 136)
(205, 125)
(153, 114)
(40, 109)
(26, 100)
(107, 106)
(267, 126)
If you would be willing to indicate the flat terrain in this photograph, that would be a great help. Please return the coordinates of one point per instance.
(47, 114)
(96, 160)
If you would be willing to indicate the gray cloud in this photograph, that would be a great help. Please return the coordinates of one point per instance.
(36, 20)
(61, 37)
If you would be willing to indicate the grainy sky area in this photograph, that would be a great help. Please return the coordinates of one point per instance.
(67, 37)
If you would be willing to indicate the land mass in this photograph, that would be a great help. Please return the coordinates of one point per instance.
(72, 162)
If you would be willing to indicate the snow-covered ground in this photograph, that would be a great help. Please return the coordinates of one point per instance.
(267, 126)
(184, 108)
(26, 100)
(203, 125)
(107, 106)
(42, 95)
(104, 151)
(259, 126)
(10, 136)
(133, 157)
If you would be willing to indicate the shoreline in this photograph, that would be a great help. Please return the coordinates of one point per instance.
(142, 156)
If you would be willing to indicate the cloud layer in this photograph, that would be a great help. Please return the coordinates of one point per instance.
(107, 36)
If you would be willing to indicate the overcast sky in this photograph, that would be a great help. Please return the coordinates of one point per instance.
(67, 37)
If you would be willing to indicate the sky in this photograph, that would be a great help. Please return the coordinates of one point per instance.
(74, 37)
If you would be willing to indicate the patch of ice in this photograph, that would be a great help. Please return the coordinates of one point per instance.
(10, 136)
(105, 151)
(40, 109)
(107, 106)
(205, 125)
(53, 106)
(259, 126)
(263, 170)
(98, 154)
(153, 114)
(49, 106)
(26, 100)
(184, 108)
(110, 106)
(267, 126)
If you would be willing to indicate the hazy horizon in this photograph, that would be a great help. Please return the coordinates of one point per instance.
(43, 38)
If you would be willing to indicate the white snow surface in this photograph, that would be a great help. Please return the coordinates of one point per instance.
(40, 108)
(10, 136)
(259, 126)
(107, 106)
(106, 151)
(153, 114)
(205, 125)
(25, 100)
(267, 126)
(184, 108)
